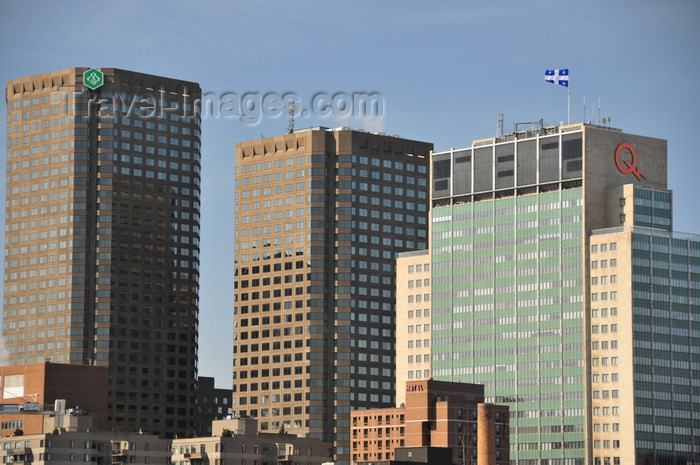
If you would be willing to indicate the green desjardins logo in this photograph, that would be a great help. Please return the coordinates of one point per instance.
(93, 78)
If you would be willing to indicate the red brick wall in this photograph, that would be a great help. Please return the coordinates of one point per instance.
(81, 385)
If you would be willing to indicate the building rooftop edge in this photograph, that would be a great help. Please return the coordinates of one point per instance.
(413, 253)
(544, 131)
(80, 69)
(324, 129)
(649, 231)
(348, 129)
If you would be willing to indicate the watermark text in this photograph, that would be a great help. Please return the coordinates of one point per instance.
(250, 108)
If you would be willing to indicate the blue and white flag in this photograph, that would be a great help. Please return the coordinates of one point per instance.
(557, 76)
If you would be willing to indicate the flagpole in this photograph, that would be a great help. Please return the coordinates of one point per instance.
(568, 104)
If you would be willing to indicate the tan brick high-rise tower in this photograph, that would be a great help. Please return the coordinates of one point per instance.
(321, 217)
(102, 235)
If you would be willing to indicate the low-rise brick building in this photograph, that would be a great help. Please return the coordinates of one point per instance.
(31, 389)
(436, 414)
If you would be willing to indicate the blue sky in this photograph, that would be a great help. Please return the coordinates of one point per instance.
(444, 70)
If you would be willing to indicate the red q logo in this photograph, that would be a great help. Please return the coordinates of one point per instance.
(628, 166)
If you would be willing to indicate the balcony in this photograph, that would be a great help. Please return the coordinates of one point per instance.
(285, 453)
(196, 456)
(19, 456)
(119, 456)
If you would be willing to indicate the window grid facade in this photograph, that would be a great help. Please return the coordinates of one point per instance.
(525, 254)
(321, 216)
(515, 288)
(102, 243)
(413, 320)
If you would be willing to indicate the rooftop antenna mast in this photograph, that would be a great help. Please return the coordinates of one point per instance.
(291, 108)
(499, 125)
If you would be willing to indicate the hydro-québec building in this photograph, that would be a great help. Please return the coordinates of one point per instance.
(558, 283)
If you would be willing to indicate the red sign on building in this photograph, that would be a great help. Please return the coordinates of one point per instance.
(414, 387)
(627, 166)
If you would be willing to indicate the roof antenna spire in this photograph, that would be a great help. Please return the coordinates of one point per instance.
(292, 108)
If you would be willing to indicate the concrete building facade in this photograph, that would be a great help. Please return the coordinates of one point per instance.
(97, 447)
(237, 441)
(645, 335)
(413, 322)
(320, 216)
(102, 235)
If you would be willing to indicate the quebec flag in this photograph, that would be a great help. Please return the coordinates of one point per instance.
(557, 76)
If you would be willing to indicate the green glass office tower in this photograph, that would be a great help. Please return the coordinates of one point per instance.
(508, 310)
(511, 292)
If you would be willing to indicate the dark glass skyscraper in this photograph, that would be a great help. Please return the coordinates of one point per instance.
(102, 235)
